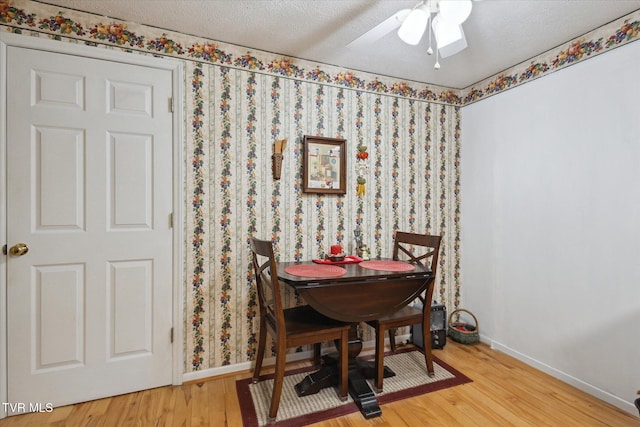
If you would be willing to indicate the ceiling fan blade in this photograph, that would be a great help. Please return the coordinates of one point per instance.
(380, 30)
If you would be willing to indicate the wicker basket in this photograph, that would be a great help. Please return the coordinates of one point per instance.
(463, 333)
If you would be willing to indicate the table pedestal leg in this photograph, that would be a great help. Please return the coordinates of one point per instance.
(362, 394)
(359, 372)
(368, 369)
(327, 376)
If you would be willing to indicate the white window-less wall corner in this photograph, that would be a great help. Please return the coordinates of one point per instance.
(551, 229)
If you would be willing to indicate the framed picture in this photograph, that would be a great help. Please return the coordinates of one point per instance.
(324, 165)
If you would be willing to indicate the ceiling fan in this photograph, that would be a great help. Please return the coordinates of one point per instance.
(446, 26)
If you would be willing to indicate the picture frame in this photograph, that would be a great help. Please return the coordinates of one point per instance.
(324, 165)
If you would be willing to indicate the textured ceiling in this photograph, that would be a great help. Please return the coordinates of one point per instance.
(500, 33)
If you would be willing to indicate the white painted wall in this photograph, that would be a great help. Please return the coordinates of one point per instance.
(551, 223)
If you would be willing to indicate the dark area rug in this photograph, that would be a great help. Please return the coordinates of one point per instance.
(411, 380)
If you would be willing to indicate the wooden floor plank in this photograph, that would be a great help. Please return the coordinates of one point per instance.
(504, 391)
(79, 414)
(116, 411)
(153, 406)
(199, 407)
(420, 411)
(96, 412)
(232, 405)
(491, 404)
(179, 407)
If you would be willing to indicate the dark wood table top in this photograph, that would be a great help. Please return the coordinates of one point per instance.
(360, 294)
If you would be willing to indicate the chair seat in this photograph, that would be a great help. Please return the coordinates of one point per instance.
(305, 320)
(406, 314)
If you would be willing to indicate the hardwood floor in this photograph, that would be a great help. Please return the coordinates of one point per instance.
(504, 392)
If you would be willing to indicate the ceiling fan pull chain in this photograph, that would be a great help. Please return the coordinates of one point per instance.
(429, 51)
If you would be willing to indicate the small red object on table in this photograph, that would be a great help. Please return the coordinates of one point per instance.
(349, 259)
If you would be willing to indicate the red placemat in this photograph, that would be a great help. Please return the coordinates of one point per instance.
(315, 270)
(387, 265)
(349, 259)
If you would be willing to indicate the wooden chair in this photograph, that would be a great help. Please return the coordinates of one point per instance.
(291, 327)
(425, 248)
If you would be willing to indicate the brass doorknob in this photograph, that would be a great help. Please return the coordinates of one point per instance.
(19, 249)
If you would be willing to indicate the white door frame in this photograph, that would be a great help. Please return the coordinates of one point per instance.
(177, 69)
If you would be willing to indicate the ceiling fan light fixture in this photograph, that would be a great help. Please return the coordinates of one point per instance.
(450, 37)
(445, 26)
(414, 26)
(445, 32)
(455, 11)
(453, 48)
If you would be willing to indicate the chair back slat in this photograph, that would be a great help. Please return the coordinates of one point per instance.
(419, 249)
(264, 264)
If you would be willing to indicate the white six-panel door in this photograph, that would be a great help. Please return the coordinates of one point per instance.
(89, 179)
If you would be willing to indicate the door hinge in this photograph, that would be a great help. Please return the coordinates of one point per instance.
(171, 105)
(171, 334)
(171, 220)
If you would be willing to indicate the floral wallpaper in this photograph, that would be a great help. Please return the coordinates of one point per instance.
(238, 102)
(234, 117)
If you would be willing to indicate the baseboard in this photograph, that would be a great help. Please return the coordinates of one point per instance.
(564, 377)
